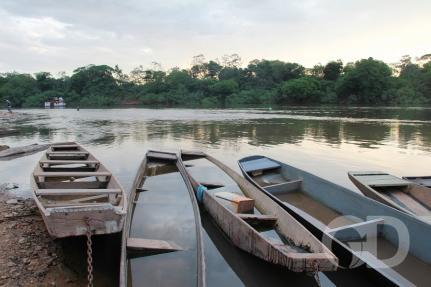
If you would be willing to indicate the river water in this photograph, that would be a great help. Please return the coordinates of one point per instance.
(325, 141)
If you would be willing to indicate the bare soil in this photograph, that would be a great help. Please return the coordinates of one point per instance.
(28, 256)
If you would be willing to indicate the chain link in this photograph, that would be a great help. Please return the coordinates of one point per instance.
(89, 254)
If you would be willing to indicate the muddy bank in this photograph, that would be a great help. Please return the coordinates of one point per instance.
(30, 257)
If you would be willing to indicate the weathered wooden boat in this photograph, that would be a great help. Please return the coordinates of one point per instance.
(14, 152)
(340, 217)
(162, 240)
(398, 193)
(74, 195)
(251, 220)
(422, 180)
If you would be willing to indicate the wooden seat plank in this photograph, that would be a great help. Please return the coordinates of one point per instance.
(72, 173)
(66, 152)
(71, 204)
(53, 161)
(150, 245)
(77, 191)
(243, 204)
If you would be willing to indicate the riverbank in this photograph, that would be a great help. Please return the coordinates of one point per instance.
(28, 256)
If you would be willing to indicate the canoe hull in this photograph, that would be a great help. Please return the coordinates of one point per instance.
(164, 243)
(251, 241)
(402, 194)
(369, 192)
(349, 203)
(64, 214)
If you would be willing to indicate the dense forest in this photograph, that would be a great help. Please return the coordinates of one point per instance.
(226, 83)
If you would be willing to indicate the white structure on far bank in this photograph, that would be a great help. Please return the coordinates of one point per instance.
(55, 103)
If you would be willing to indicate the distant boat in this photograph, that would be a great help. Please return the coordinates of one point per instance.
(55, 103)
(162, 239)
(339, 216)
(399, 193)
(422, 180)
(74, 192)
(252, 221)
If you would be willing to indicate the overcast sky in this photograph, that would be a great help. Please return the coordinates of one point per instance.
(61, 35)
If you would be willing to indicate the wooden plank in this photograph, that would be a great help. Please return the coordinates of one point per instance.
(65, 146)
(74, 204)
(72, 174)
(73, 185)
(66, 152)
(77, 191)
(162, 155)
(150, 245)
(69, 162)
(410, 203)
(89, 198)
(243, 204)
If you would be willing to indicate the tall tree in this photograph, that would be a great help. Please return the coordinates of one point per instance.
(365, 82)
(332, 70)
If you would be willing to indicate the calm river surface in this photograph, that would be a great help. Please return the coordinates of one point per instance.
(325, 141)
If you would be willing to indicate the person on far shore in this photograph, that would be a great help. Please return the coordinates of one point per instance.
(77, 108)
(9, 106)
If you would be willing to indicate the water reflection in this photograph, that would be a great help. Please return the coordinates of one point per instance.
(327, 142)
(257, 132)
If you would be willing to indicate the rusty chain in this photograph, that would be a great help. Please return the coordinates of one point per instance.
(89, 254)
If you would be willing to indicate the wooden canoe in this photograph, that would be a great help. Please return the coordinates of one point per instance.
(422, 180)
(15, 152)
(261, 227)
(339, 216)
(162, 239)
(74, 194)
(398, 193)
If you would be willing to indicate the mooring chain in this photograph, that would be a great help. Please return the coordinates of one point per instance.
(89, 254)
(316, 273)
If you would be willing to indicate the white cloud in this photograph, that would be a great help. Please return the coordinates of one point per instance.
(57, 35)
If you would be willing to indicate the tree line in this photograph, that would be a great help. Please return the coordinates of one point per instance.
(225, 83)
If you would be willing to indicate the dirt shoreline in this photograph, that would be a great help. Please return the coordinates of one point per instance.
(28, 255)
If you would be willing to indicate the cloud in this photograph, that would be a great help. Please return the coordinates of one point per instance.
(62, 35)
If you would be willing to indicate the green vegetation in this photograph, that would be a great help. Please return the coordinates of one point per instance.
(227, 84)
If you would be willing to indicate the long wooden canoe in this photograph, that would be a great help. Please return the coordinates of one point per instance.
(162, 241)
(422, 180)
(15, 152)
(340, 216)
(404, 195)
(74, 195)
(251, 220)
